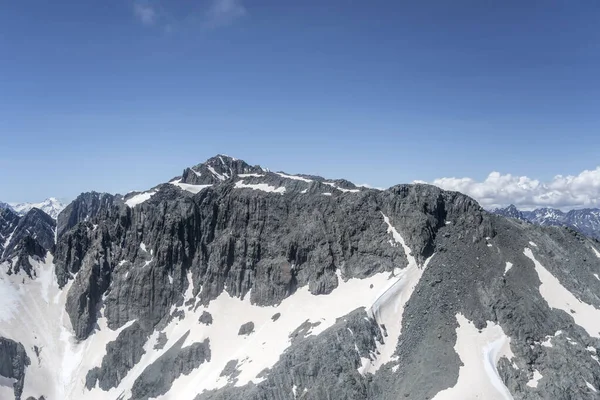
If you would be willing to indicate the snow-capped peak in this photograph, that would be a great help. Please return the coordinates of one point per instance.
(51, 206)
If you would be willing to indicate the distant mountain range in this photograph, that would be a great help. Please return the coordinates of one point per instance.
(50, 206)
(586, 221)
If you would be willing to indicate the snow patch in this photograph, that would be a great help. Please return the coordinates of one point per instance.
(140, 198)
(592, 388)
(388, 307)
(40, 319)
(9, 297)
(508, 267)
(294, 177)
(333, 185)
(533, 382)
(190, 188)
(269, 340)
(479, 352)
(557, 296)
(596, 251)
(260, 186)
(217, 175)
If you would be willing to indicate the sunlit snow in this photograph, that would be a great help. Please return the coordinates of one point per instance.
(341, 189)
(479, 352)
(294, 177)
(557, 296)
(140, 198)
(533, 382)
(188, 187)
(260, 186)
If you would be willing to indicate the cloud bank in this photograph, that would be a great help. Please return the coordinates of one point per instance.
(497, 190)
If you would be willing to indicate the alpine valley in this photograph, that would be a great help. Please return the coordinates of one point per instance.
(235, 282)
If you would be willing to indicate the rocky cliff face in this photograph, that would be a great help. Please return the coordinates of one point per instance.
(248, 284)
(30, 235)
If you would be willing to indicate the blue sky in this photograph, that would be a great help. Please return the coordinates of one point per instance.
(116, 95)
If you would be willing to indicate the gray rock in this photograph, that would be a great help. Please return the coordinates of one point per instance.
(122, 354)
(13, 363)
(161, 341)
(159, 376)
(22, 237)
(205, 318)
(246, 329)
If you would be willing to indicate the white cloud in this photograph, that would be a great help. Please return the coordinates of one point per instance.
(224, 12)
(145, 13)
(209, 14)
(497, 190)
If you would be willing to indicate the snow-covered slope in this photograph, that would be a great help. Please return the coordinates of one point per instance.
(50, 206)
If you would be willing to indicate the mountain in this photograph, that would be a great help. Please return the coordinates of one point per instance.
(5, 205)
(25, 236)
(50, 206)
(235, 282)
(586, 221)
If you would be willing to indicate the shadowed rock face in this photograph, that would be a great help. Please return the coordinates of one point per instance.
(13, 362)
(177, 360)
(21, 237)
(262, 236)
(244, 240)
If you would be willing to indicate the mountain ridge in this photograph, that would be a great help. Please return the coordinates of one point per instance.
(584, 220)
(50, 206)
(235, 282)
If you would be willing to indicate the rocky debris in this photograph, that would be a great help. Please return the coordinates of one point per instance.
(246, 329)
(205, 318)
(231, 371)
(13, 363)
(158, 377)
(303, 330)
(276, 316)
(161, 341)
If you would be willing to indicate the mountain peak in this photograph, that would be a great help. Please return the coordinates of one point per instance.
(217, 169)
(51, 206)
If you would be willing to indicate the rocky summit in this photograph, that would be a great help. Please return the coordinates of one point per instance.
(235, 282)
